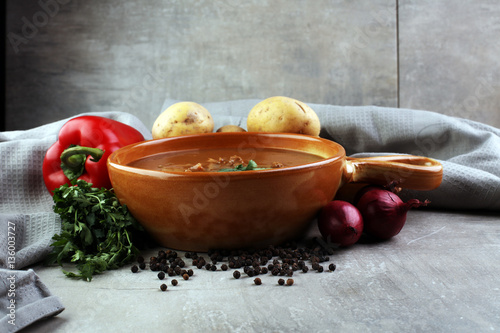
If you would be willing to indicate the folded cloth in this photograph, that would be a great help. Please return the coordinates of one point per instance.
(27, 222)
(469, 151)
(24, 300)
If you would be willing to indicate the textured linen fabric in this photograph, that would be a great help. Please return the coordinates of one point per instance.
(469, 151)
(24, 299)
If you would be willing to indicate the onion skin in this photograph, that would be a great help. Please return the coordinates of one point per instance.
(340, 223)
(392, 186)
(384, 213)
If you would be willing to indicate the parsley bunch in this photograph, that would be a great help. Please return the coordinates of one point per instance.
(97, 231)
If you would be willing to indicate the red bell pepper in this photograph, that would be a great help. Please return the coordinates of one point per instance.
(83, 146)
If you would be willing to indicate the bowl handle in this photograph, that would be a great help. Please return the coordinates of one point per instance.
(412, 172)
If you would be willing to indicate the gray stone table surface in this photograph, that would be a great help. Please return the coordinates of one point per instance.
(440, 274)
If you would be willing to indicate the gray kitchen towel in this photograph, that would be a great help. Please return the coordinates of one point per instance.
(469, 151)
(24, 299)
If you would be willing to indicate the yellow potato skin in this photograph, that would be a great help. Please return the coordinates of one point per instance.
(230, 128)
(283, 114)
(183, 118)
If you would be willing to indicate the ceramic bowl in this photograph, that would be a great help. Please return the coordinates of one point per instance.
(199, 211)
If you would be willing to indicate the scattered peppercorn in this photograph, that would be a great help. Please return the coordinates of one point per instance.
(275, 260)
(163, 287)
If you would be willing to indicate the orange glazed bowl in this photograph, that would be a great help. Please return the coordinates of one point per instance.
(203, 210)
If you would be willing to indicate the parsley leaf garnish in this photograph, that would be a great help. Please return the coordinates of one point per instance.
(97, 231)
(240, 167)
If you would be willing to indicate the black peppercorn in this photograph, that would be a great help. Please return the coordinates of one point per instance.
(161, 275)
(163, 287)
(332, 267)
(174, 282)
(134, 269)
(257, 281)
(142, 265)
(224, 267)
(185, 276)
(281, 282)
(236, 274)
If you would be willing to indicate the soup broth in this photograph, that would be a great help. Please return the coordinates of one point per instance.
(224, 159)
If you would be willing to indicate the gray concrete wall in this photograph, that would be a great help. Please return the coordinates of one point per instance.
(65, 57)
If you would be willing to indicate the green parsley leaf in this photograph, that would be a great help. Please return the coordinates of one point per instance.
(250, 166)
(97, 231)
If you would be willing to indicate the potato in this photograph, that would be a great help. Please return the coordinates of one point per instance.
(230, 128)
(183, 118)
(283, 114)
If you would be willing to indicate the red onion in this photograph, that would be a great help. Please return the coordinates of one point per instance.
(392, 186)
(384, 213)
(340, 223)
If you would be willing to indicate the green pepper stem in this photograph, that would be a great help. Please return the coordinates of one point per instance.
(74, 157)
